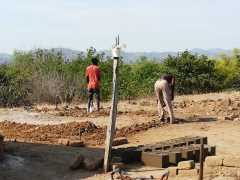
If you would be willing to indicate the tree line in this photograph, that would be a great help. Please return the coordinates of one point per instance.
(44, 76)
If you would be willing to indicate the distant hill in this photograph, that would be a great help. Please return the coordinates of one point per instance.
(5, 58)
(127, 56)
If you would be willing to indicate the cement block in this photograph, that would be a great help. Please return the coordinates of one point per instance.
(173, 171)
(186, 165)
(212, 161)
(188, 172)
(187, 154)
(175, 157)
(155, 160)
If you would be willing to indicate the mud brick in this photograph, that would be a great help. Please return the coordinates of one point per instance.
(212, 151)
(76, 143)
(175, 157)
(155, 160)
(187, 154)
(63, 141)
(119, 141)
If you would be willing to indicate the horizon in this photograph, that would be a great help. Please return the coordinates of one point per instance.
(124, 51)
(153, 26)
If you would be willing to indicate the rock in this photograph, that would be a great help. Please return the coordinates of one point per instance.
(92, 163)
(186, 165)
(173, 171)
(212, 161)
(78, 162)
(231, 161)
(120, 141)
(76, 143)
(63, 141)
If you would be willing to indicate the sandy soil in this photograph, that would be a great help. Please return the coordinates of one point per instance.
(213, 115)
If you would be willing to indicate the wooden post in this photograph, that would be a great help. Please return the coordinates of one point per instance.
(201, 160)
(113, 115)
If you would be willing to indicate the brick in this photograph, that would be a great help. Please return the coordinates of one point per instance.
(155, 160)
(119, 141)
(76, 143)
(186, 165)
(188, 172)
(175, 157)
(187, 154)
(173, 171)
(231, 161)
(63, 141)
(213, 161)
(212, 151)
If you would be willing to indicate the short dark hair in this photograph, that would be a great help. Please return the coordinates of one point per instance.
(95, 61)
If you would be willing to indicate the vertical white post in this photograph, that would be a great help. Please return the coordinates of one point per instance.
(113, 115)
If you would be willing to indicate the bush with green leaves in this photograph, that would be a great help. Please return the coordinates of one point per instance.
(42, 75)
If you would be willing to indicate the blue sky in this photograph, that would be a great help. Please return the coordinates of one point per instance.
(144, 25)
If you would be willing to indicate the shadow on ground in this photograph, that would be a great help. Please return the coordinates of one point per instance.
(28, 161)
(196, 119)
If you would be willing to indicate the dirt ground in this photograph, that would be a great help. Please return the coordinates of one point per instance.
(36, 155)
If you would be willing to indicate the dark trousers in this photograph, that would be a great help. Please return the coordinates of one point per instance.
(91, 93)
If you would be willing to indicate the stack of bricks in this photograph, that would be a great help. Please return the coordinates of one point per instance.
(1, 146)
(167, 153)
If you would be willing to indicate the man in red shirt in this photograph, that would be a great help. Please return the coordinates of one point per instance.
(93, 80)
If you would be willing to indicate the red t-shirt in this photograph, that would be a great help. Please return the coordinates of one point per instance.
(93, 73)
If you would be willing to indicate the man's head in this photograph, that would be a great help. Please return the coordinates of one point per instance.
(169, 78)
(95, 61)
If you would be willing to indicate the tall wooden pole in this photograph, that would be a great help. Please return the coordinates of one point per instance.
(201, 160)
(113, 115)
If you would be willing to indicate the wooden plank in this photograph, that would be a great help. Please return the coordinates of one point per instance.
(201, 160)
(113, 115)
